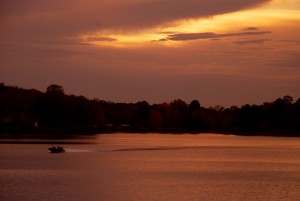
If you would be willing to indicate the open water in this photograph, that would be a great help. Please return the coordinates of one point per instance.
(149, 167)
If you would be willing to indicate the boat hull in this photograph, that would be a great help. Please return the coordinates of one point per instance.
(56, 150)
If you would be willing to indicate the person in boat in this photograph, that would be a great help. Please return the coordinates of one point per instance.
(56, 149)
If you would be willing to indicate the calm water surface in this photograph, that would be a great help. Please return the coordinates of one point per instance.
(132, 167)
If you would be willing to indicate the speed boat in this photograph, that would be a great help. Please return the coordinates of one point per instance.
(57, 149)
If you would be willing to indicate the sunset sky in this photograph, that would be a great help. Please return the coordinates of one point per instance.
(220, 52)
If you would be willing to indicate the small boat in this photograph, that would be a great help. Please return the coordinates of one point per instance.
(57, 149)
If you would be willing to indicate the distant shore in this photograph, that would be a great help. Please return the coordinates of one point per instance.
(64, 132)
(55, 113)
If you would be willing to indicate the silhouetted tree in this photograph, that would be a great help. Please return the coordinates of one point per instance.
(142, 114)
(54, 107)
(249, 117)
(55, 90)
(194, 105)
(178, 113)
(165, 111)
(156, 119)
(288, 99)
(193, 119)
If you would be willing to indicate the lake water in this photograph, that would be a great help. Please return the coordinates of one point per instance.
(138, 167)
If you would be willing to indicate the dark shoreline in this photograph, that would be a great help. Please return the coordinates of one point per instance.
(59, 133)
(54, 113)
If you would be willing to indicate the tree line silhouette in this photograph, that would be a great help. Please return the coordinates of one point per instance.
(53, 111)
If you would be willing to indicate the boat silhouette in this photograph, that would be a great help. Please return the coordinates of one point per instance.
(55, 149)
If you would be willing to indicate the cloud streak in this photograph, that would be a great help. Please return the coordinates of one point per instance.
(100, 39)
(210, 35)
(246, 42)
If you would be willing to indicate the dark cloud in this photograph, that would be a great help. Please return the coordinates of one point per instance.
(246, 42)
(295, 42)
(210, 35)
(251, 29)
(155, 12)
(44, 19)
(161, 40)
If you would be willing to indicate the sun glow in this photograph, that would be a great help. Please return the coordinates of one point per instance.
(272, 14)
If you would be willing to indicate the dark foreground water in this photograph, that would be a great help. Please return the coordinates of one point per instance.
(130, 167)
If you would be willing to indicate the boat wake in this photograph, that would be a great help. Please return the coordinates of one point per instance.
(71, 150)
